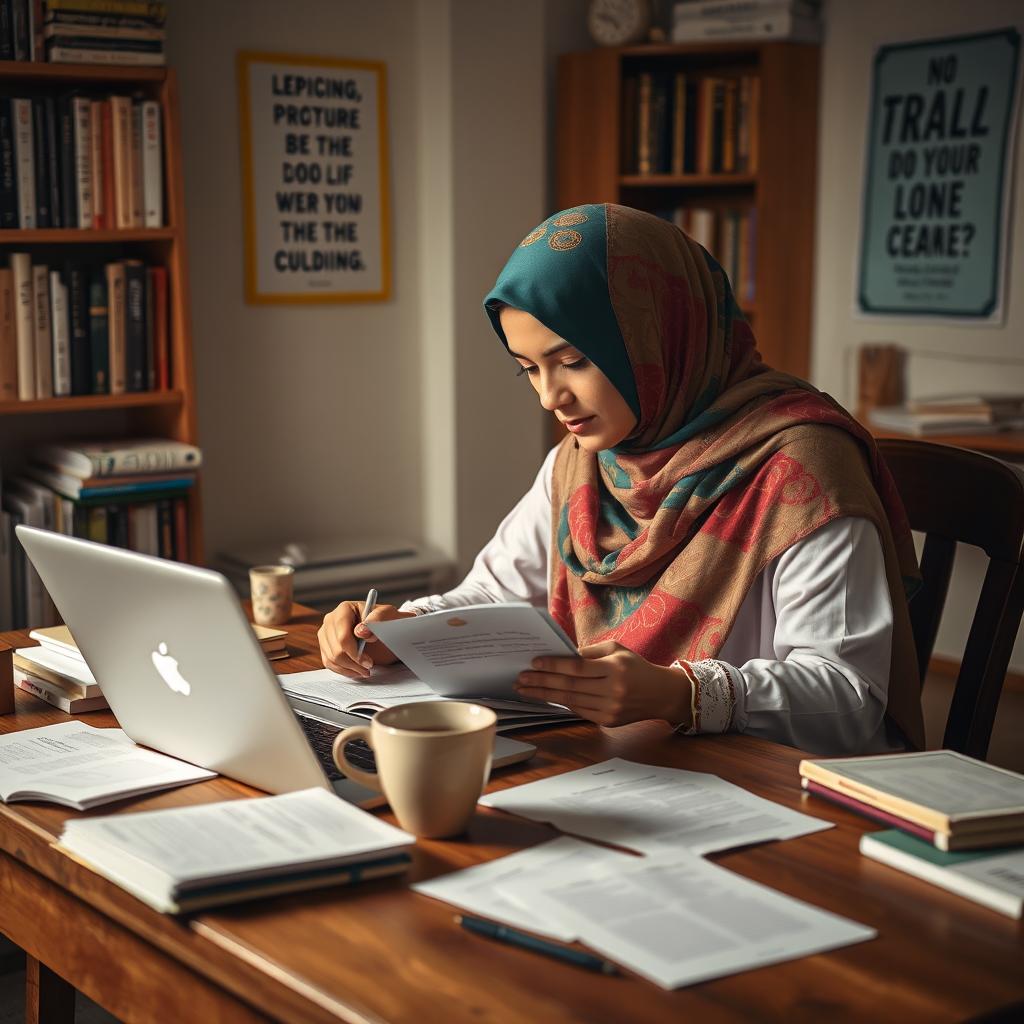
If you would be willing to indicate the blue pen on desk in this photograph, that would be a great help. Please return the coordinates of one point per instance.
(371, 603)
(514, 937)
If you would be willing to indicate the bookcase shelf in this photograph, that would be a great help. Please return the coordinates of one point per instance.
(781, 191)
(169, 413)
(80, 403)
(83, 236)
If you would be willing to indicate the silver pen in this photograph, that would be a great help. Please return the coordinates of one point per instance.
(371, 603)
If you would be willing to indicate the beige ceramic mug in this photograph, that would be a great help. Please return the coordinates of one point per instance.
(272, 591)
(433, 761)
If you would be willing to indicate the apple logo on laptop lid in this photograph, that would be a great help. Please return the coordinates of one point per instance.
(168, 669)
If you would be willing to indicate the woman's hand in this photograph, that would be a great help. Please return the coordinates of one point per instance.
(610, 685)
(341, 632)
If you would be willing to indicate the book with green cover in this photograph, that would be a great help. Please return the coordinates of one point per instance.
(994, 877)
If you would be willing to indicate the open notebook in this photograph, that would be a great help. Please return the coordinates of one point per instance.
(389, 686)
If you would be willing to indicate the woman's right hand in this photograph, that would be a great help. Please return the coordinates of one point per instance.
(341, 632)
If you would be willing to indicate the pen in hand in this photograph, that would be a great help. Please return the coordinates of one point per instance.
(371, 603)
(514, 937)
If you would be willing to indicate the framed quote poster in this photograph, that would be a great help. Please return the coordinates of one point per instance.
(939, 170)
(314, 178)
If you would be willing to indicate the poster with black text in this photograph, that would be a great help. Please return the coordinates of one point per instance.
(940, 151)
(314, 168)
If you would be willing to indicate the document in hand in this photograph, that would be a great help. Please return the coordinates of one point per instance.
(650, 810)
(73, 764)
(477, 650)
(677, 919)
(185, 858)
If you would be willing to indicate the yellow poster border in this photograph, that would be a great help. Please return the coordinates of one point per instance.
(244, 59)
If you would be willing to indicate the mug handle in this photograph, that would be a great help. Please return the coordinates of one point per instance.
(349, 770)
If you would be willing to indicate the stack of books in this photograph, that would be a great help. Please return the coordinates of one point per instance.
(79, 161)
(679, 123)
(952, 414)
(84, 329)
(118, 32)
(707, 20)
(238, 850)
(131, 493)
(955, 822)
(56, 672)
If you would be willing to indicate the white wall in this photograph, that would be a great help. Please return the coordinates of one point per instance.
(380, 418)
(943, 357)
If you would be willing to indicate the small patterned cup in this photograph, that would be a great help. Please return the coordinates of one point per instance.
(272, 589)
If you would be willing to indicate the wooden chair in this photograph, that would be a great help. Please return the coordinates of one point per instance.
(953, 495)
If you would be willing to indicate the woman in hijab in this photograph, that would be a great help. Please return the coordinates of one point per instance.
(720, 539)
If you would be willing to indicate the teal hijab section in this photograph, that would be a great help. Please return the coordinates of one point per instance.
(559, 275)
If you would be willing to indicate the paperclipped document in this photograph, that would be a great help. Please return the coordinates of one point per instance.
(651, 810)
(677, 919)
(479, 889)
(79, 766)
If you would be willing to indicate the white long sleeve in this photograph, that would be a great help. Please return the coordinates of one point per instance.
(807, 660)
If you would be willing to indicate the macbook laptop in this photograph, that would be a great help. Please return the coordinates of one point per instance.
(184, 674)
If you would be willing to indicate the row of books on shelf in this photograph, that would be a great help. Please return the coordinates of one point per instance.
(83, 329)
(679, 123)
(71, 161)
(118, 32)
(131, 494)
(730, 235)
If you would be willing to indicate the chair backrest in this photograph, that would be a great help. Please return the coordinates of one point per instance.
(953, 495)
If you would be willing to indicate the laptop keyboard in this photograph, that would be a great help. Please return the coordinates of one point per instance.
(321, 739)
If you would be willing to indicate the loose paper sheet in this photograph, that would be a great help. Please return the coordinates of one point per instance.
(650, 809)
(478, 889)
(677, 919)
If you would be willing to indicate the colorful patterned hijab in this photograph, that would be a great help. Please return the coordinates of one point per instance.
(660, 538)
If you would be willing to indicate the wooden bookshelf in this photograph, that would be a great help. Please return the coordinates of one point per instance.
(782, 189)
(169, 413)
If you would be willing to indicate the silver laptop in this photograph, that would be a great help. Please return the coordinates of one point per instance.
(184, 674)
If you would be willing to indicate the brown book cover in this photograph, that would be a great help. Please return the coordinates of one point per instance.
(729, 105)
(628, 138)
(8, 339)
(117, 319)
(755, 105)
(645, 123)
(99, 212)
(135, 175)
(105, 183)
(705, 103)
(161, 333)
(678, 122)
(121, 140)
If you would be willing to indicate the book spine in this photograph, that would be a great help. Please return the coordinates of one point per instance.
(112, 58)
(867, 811)
(165, 528)
(136, 373)
(24, 159)
(72, 40)
(151, 371)
(68, 182)
(78, 330)
(678, 123)
(152, 166)
(705, 102)
(8, 339)
(121, 113)
(61, 334)
(53, 178)
(40, 163)
(644, 123)
(99, 334)
(8, 167)
(19, 28)
(44, 338)
(6, 31)
(717, 123)
(82, 109)
(135, 171)
(627, 153)
(52, 694)
(25, 325)
(161, 329)
(152, 11)
(84, 19)
(81, 30)
(38, 48)
(116, 320)
(99, 170)
(729, 125)
(773, 25)
(107, 161)
(180, 512)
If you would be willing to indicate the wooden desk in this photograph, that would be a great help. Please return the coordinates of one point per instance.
(382, 953)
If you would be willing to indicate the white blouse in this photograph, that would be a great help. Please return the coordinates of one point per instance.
(807, 660)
